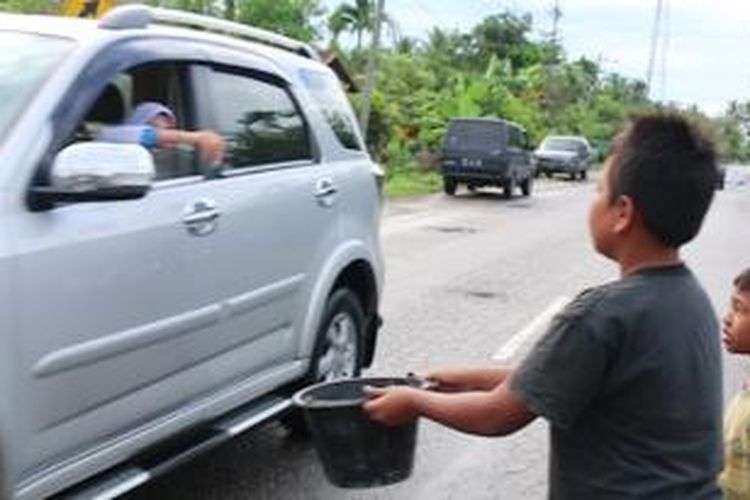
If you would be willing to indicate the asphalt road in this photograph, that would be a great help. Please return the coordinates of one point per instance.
(465, 275)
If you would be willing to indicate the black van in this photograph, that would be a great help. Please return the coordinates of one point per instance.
(486, 152)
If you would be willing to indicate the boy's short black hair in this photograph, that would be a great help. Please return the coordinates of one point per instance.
(742, 281)
(668, 168)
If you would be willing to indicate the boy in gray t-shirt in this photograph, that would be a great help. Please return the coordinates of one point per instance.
(629, 374)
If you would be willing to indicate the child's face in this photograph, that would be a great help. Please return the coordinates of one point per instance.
(601, 213)
(161, 121)
(736, 325)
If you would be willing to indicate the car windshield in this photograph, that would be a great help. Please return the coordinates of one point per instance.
(25, 61)
(473, 136)
(556, 144)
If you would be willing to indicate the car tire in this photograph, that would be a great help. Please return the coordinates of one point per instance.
(508, 188)
(471, 187)
(584, 174)
(338, 349)
(573, 175)
(526, 186)
(449, 185)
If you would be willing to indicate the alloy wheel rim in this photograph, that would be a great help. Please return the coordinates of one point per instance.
(339, 359)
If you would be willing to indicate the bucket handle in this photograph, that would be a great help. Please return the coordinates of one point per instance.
(419, 382)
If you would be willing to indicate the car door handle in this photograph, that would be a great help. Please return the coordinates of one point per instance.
(325, 188)
(325, 193)
(200, 217)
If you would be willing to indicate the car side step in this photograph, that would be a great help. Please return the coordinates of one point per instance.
(240, 421)
(178, 451)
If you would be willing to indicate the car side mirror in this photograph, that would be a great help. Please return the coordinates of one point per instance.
(98, 171)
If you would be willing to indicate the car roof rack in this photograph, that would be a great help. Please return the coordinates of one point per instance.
(141, 16)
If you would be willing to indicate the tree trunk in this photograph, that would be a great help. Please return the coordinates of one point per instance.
(231, 10)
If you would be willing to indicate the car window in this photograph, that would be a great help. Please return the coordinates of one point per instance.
(515, 138)
(25, 61)
(560, 144)
(113, 117)
(259, 121)
(474, 135)
(332, 102)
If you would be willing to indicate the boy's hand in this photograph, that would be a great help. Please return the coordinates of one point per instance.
(448, 380)
(464, 379)
(390, 405)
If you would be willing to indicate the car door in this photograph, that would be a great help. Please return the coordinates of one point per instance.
(277, 221)
(519, 156)
(114, 296)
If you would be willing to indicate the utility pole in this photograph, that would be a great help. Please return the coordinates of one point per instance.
(556, 15)
(654, 44)
(372, 58)
(665, 49)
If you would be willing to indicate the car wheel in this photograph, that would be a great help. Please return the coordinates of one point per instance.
(472, 188)
(338, 348)
(584, 174)
(449, 185)
(508, 188)
(573, 175)
(526, 186)
(338, 353)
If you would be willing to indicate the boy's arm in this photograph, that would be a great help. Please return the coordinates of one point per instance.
(468, 378)
(491, 413)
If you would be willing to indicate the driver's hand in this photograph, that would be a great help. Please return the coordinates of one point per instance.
(212, 147)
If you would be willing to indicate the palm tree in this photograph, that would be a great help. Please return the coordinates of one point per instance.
(338, 22)
(359, 18)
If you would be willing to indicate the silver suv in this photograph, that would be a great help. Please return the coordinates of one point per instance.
(144, 297)
(570, 155)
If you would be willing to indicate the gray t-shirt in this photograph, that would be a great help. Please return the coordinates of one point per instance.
(629, 378)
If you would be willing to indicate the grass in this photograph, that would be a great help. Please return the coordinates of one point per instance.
(410, 182)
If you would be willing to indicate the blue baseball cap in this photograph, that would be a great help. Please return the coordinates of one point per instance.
(145, 111)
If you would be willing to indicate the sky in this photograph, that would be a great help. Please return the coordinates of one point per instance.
(703, 55)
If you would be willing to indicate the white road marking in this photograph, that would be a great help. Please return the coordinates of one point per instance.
(535, 328)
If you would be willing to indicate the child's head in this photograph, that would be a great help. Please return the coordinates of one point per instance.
(660, 178)
(152, 113)
(736, 324)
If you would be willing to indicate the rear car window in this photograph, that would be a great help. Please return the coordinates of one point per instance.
(473, 136)
(26, 60)
(333, 103)
(259, 120)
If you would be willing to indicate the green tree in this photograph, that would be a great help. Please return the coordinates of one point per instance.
(358, 18)
(298, 19)
(31, 6)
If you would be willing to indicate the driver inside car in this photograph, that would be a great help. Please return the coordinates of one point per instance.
(153, 125)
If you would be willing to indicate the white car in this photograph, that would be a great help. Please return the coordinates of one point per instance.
(144, 296)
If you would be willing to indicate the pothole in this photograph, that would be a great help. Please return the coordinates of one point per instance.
(479, 294)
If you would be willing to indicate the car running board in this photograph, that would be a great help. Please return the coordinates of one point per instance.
(175, 452)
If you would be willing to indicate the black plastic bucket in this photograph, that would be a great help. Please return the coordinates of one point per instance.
(356, 452)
